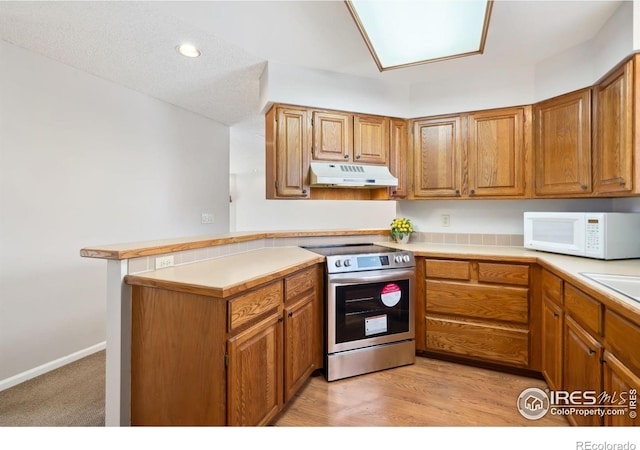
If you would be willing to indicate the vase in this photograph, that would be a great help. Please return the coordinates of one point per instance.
(401, 238)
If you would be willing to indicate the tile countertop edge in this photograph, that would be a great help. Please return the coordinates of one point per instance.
(564, 265)
(292, 259)
(157, 247)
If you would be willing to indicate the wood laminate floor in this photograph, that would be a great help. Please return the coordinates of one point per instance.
(428, 393)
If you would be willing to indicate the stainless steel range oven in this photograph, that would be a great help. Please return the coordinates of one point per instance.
(369, 309)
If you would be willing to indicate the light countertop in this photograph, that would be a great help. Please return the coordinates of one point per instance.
(229, 275)
(568, 267)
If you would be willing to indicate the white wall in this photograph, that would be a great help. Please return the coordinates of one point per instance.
(87, 162)
(488, 87)
(251, 211)
(488, 216)
(323, 89)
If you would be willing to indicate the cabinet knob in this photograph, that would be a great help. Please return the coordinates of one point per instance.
(583, 187)
(290, 314)
(346, 156)
(358, 157)
(556, 315)
(473, 191)
(304, 191)
(622, 183)
(457, 191)
(591, 351)
(280, 319)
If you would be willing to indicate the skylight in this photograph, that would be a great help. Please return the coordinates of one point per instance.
(401, 33)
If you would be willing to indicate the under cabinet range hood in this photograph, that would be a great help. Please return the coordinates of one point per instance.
(351, 175)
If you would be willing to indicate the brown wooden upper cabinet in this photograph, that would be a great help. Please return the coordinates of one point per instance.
(398, 164)
(360, 139)
(563, 145)
(437, 156)
(297, 135)
(332, 136)
(287, 138)
(613, 153)
(496, 147)
(485, 160)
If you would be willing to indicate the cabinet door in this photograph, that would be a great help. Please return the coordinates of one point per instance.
(613, 149)
(552, 326)
(254, 375)
(437, 147)
(398, 157)
(563, 144)
(332, 136)
(292, 153)
(371, 139)
(300, 340)
(620, 380)
(496, 149)
(582, 370)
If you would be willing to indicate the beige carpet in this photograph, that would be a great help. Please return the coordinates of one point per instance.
(71, 396)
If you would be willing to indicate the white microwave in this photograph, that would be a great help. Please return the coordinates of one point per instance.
(593, 235)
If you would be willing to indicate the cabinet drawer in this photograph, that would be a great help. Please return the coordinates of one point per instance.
(504, 303)
(452, 270)
(622, 338)
(251, 306)
(298, 283)
(503, 273)
(552, 287)
(584, 309)
(478, 341)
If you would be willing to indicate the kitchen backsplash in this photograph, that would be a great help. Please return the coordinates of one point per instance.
(508, 240)
(147, 263)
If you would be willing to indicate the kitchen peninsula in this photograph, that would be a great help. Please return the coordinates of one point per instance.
(224, 267)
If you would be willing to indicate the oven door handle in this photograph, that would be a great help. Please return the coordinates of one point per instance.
(371, 277)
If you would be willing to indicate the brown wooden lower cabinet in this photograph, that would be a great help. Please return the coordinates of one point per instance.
(552, 331)
(621, 382)
(475, 309)
(254, 375)
(300, 357)
(201, 360)
(475, 340)
(582, 367)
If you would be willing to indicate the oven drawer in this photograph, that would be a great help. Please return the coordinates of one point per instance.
(504, 303)
(500, 344)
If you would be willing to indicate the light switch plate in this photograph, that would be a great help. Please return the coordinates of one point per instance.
(206, 218)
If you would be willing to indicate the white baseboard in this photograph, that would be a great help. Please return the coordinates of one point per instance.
(48, 367)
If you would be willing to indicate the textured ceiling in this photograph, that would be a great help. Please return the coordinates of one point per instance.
(132, 43)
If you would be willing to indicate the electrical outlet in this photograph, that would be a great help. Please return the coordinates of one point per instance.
(206, 218)
(164, 261)
(445, 220)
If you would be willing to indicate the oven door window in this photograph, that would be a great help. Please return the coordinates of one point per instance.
(370, 310)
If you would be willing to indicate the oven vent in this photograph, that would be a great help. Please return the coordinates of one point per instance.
(351, 175)
(351, 168)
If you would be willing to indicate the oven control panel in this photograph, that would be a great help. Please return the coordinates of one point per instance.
(356, 263)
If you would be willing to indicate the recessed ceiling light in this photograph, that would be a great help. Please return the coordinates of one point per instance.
(188, 50)
(403, 33)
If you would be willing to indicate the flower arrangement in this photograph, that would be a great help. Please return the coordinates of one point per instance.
(401, 229)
